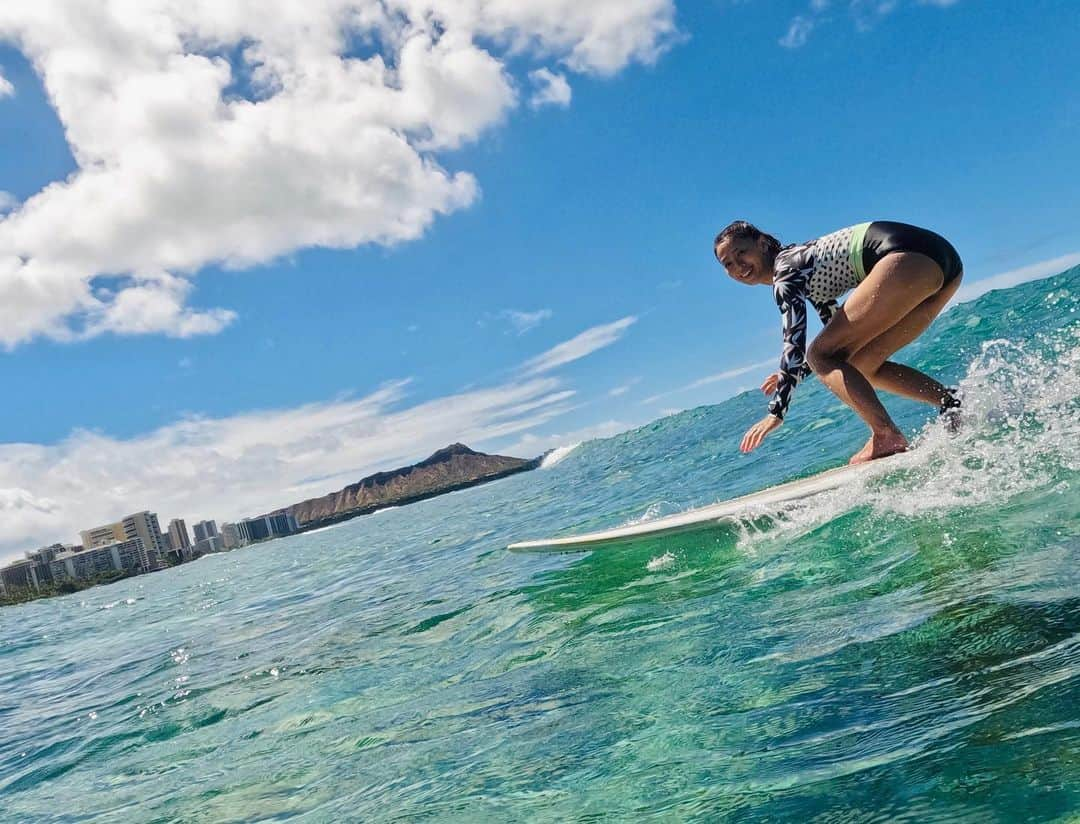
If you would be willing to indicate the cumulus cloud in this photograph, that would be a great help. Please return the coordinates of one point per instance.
(233, 133)
(551, 89)
(6, 89)
(579, 346)
(155, 305)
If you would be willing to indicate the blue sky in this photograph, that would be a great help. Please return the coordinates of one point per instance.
(582, 223)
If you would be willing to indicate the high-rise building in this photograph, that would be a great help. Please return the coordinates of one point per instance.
(282, 523)
(204, 530)
(41, 558)
(206, 546)
(145, 525)
(275, 525)
(178, 535)
(252, 529)
(121, 556)
(21, 574)
(140, 525)
(230, 536)
(102, 535)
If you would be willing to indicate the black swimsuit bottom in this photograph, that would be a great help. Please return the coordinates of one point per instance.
(884, 236)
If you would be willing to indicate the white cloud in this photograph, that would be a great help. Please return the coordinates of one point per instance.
(865, 14)
(798, 32)
(155, 305)
(577, 347)
(1014, 277)
(600, 36)
(525, 321)
(6, 89)
(249, 463)
(733, 373)
(209, 132)
(717, 377)
(551, 89)
(621, 390)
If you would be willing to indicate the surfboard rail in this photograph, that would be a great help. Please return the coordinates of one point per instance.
(707, 516)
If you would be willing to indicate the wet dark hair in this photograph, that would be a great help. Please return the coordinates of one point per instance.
(741, 230)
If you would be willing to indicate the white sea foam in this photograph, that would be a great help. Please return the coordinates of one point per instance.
(1019, 434)
(557, 454)
(324, 528)
(660, 562)
(659, 509)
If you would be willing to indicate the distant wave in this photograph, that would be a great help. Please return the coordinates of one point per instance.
(324, 528)
(341, 523)
(556, 455)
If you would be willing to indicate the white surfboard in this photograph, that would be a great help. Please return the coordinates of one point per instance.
(706, 516)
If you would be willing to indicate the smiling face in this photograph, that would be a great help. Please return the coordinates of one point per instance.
(745, 260)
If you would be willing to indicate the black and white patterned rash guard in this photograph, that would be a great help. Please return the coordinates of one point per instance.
(818, 271)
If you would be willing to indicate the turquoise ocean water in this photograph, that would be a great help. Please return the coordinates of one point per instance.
(903, 650)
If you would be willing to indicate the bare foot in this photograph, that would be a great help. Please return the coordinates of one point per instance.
(880, 446)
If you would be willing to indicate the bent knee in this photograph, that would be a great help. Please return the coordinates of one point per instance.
(823, 357)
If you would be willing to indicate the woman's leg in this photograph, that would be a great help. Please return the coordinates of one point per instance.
(872, 359)
(896, 286)
(904, 381)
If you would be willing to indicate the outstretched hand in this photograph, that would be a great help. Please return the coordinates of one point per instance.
(770, 384)
(756, 433)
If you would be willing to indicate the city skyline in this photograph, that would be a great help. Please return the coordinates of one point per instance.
(135, 545)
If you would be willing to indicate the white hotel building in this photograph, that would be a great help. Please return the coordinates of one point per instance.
(121, 556)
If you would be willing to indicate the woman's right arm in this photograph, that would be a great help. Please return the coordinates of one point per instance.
(789, 289)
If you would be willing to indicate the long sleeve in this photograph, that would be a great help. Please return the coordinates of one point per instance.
(789, 290)
(825, 312)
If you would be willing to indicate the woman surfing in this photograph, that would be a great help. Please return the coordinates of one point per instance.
(901, 276)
